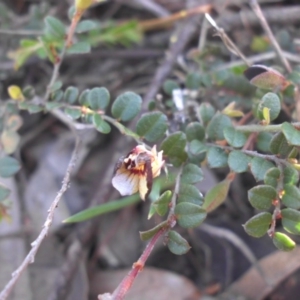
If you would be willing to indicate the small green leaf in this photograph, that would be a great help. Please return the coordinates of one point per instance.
(177, 244)
(290, 175)
(79, 48)
(4, 192)
(83, 98)
(57, 95)
(9, 166)
(173, 144)
(169, 86)
(262, 196)
(73, 113)
(152, 126)
(238, 161)
(161, 205)
(291, 220)
(56, 86)
(258, 225)
(34, 108)
(197, 147)
(189, 215)
(193, 81)
(189, 193)
(216, 157)
(205, 112)
(272, 102)
(126, 106)
(195, 131)
(279, 145)
(86, 25)
(98, 98)
(234, 137)
(55, 27)
(101, 125)
(291, 133)
(71, 94)
(259, 167)
(263, 141)
(146, 235)
(216, 126)
(28, 92)
(291, 196)
(216, 196)
(283, 242)
(272, 177)
(191, 174)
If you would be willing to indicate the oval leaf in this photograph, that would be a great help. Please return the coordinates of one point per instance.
(126, 106)
(205, 112)
(259, 167)
(71, 94)
(272, 177)
(291, 134)
(238, 161)
(177, 244)
(279, 145)
(216, 196)
(101, 125)
(195, 131)
(291, 196)
(291, 220)
(9, 166)
(234, 137)
(216, 157)
(98, 98)
(262, 196)
(216, 127)
(191, 174)
(161, 205)
(258, 225)
(146, 235)
(189, 215)
(189, 193)
(152, 126)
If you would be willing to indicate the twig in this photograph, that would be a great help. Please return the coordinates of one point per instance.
(37, 243)
(273, 15)
(230, 45)
(259, 58)
(127, 282)
(55, 74)
(257, 10)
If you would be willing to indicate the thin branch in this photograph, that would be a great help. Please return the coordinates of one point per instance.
(127, 282)
(54, 74)
(37, 243)
(257, 10)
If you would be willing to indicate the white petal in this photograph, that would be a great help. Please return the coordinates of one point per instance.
(125, 182)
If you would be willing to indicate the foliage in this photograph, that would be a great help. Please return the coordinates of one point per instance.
(215, 137)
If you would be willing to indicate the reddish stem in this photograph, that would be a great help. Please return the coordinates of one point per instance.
(138, 266)
(77, 16)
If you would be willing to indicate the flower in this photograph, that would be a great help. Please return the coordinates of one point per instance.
(135, 172)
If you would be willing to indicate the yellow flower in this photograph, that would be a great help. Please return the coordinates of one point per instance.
(135, 172)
